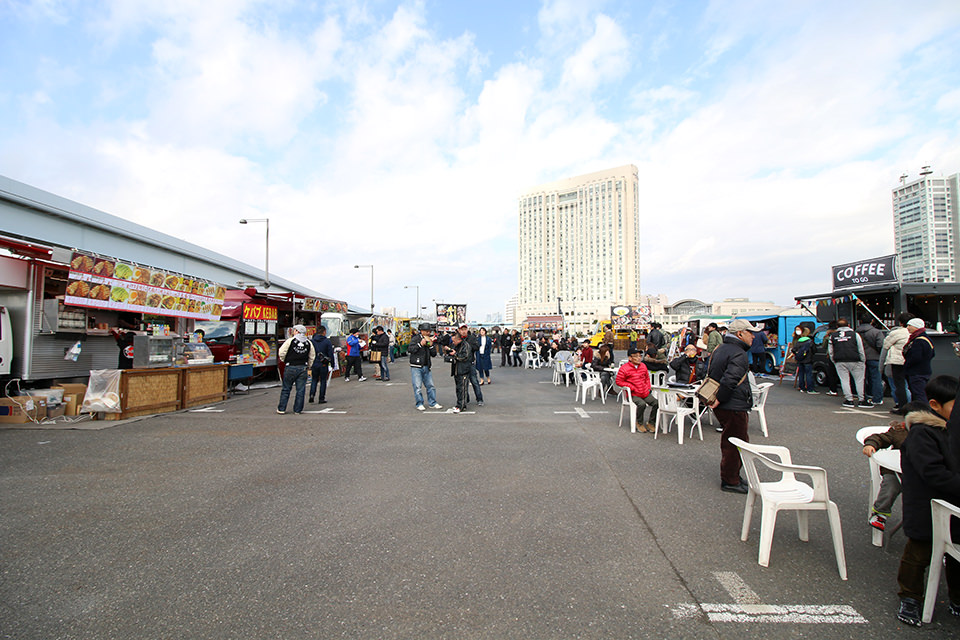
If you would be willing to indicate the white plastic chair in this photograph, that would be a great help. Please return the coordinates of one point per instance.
(658, 378)
(786, 493)
(588, 381)
(875, 478)
(626, 400)
(669, 409)
(759, 402)
(561, 372)
(532, 360)
(943, 543)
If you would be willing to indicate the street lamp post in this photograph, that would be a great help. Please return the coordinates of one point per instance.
(368, 266)
(266, 267)
(417, 287)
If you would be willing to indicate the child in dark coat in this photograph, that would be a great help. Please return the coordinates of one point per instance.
(930, 471)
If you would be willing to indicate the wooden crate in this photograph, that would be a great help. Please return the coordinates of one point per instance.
(204, 384)
(147, 391)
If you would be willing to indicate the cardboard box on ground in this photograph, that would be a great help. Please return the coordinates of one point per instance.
(22, 409)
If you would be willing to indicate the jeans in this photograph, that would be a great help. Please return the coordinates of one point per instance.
(422, 376)
(899, 385)
(384, 369)
(353, 362)
(805, 377)
(475, 383)
(504, 354)
(319, 376)
(293, 374)
(874, 381)
(735, 425)
(918, 387)
(847, 369)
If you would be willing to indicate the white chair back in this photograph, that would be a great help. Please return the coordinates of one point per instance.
(943, 544)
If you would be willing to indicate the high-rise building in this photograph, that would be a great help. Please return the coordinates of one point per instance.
(579, 241)
(926, 228)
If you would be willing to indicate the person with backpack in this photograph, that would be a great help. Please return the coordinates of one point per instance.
(320, 370)
(297, 354)
(803, 355)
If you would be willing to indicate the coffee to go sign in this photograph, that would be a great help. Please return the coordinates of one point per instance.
(259, 312)
(865, 273)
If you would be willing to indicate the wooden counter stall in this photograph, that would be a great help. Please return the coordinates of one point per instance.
(145, 392)
(204, 384)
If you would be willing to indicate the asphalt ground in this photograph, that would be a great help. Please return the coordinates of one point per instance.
(524, 519)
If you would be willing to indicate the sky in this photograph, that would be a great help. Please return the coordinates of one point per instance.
(768, 135)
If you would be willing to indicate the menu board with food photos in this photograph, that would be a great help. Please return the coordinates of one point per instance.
(106, 283)
(323, 306)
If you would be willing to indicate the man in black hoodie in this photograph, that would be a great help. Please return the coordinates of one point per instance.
(730, 367)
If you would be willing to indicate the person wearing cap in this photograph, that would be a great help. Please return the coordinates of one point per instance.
(892, 354)
(471, 339)
(354, 356)
(845, 348)
(381, 343)
(730, 367)
(917, 355)
(634, 376)
(421, 349)
(297, 354)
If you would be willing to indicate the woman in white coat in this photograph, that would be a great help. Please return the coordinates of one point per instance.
(892, 354)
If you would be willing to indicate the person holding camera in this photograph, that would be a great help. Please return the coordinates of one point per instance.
(320, 370)
(422, 347)
(460, 355)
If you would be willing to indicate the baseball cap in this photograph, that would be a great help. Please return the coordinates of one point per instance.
(630, 352)
(916, 323)
(742, 325)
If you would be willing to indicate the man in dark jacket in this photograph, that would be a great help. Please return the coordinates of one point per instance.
(872, 339)
(689, 367)
(460, 368)
(729, 366)
(505, 343)
(929, 471)
(381, 343)
(421, 349)
(474, 343)
(917, 355)
(655, 337)
(320, 370)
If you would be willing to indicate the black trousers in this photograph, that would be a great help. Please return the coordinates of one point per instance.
(503, 356)
(318, 376)
(353, 362)
(462, 380)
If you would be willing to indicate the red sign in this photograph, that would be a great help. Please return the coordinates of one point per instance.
(259, 312)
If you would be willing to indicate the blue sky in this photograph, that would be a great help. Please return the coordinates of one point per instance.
(767, 135)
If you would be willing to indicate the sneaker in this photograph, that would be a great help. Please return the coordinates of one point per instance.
(718, 429)
(909, 612)
(361, 379)
(456, 409)
(480, 404)
(281, 412)
(310, 400)
(420, 407)
(867, 403)
(734, 488)
(831, 393)
(813, 393)
(346, 379)
(436, 406)
(954, 609)
(849, 405)
(878, 521)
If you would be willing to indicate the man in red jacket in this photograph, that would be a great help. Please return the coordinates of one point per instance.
(634, 376)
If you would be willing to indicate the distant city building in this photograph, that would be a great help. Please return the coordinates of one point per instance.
(579, 246)
(742, 307)
(510, 312)
(926, 228)
(494, 318)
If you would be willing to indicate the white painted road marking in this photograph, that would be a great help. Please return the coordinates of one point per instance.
(749, 608)
(581, 412)
(206, 410)
(327, 410)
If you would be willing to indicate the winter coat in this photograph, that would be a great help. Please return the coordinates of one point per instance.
(323, 349)
(462, 359)
(353, 345)
(656, 338)
(917, 354)
(636, 378)
(484, 362)
(381, 343)
(420, 356)
(728, 366)
(714, 340)
(682, 366)
(872, 341)
(929, 471)
(892, 437)
(295, 352)
(803, 350)
(759, 342)
(893, 344)
(654, 361)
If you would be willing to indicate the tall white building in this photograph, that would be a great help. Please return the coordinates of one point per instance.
(579, 241)
(926, 228)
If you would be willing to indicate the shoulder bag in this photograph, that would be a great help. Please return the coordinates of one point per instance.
(707, 393)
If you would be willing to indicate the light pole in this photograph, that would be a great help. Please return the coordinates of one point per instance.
(266, 267)
(408, 286)
(366, 266)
